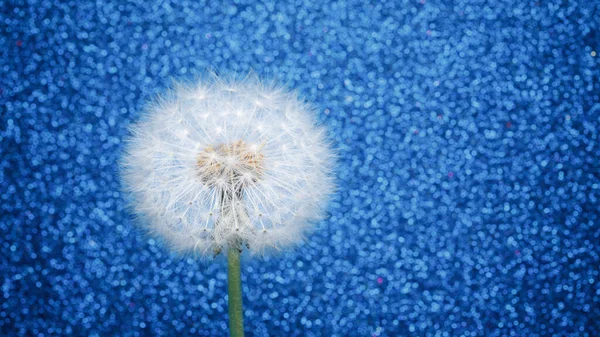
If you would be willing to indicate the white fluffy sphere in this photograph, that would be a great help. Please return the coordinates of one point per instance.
(226, 163)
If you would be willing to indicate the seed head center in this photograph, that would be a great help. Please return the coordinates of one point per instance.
(238, 164)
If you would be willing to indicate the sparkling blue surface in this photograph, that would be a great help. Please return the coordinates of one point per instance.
(469, 174)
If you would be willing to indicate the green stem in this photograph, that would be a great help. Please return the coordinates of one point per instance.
(234, 288)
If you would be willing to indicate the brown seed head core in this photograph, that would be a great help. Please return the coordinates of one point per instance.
(233, 163)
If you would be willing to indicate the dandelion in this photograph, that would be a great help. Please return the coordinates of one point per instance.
(228, 165)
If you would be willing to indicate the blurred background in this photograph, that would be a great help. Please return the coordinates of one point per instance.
(469, 172)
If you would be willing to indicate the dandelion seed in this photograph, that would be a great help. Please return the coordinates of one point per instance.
(239, 161)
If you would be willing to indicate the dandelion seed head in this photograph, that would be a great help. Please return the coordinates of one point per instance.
(228, 161)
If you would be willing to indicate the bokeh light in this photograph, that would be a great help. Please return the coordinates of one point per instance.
(469, 167)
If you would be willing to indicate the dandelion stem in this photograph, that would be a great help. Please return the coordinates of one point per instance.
(234, 288)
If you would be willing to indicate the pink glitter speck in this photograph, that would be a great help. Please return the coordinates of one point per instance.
(379, 280)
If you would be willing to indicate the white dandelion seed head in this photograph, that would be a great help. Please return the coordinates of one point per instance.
(226, 163)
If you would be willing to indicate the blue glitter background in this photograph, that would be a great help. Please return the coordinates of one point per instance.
(468, 134)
